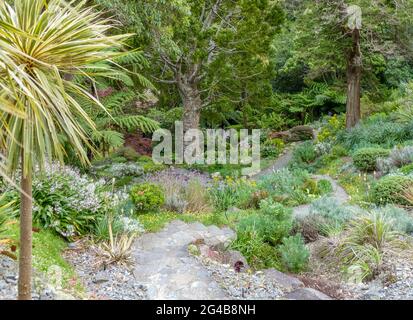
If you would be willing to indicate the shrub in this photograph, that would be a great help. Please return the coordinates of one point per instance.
(271, 224)
(407, 169)
(196, 198)
(329, 131)
(259, 254)
(120, 170)
(365, 159)
(286, 186)
(380, 132)
(331, 210)
(324, 186)
(294, 255)
(339, 151)
(326, 217)
(272, 148)
(231, 192)
(398, 157)
(305, 153)
(147, 197)
(128, 153)
(65, 201)
(390, 189)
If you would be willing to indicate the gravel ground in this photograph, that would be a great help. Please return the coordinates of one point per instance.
(241, 285)
(41, 290)
(394, 283)
(113, 282)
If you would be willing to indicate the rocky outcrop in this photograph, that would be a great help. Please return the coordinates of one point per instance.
(298, 133)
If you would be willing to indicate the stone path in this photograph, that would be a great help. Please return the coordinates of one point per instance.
(281, 162)
(168, 271)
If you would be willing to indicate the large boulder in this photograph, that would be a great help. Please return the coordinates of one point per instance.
(298, 133)
(301, 133)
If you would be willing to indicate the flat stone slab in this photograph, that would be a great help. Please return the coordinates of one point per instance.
(165, 267)
(286, 281)
(306, 294)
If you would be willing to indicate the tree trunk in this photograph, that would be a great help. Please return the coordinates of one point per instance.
(191, 99)
(354, 65)
(25, 257)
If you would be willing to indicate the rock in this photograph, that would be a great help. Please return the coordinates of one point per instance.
(233, 210)
(306, 294)
(11, 279)
(61, 295)
(236, 260)
(301, 133)
(100, 277)
(287, 282)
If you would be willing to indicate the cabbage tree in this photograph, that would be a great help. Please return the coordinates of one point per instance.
(43, 44)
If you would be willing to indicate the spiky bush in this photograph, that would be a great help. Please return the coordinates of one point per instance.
(294, 255)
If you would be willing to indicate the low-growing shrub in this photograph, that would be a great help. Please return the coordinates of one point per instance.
(272, 148)
(147, 197)
(382, 132)
(259, 254)
(65, 201)
(390, 189)
(326, 217)
(324, 186)
(407, 169)
(365, 159)
(271, 224)
(294, 255)
(398, 157)
(305, 153)
(287, 186)
(127, 152)
(230, 192)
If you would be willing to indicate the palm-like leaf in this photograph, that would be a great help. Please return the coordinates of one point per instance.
(41, 44)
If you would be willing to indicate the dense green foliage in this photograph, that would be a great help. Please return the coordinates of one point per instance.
(365, 159)
(147, 197)
(390, 189)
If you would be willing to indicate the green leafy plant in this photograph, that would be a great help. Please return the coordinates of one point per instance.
(231, 192)
(196, 197)
(391, 189)
(365, 159)
(400, 219)
(305, 153)
(294, 255)
(362, 248)
(271, 224)
(324, 186)
(147, 197)
(272, 148)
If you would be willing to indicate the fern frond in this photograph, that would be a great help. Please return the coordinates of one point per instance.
(142, 123)
(112, 138)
